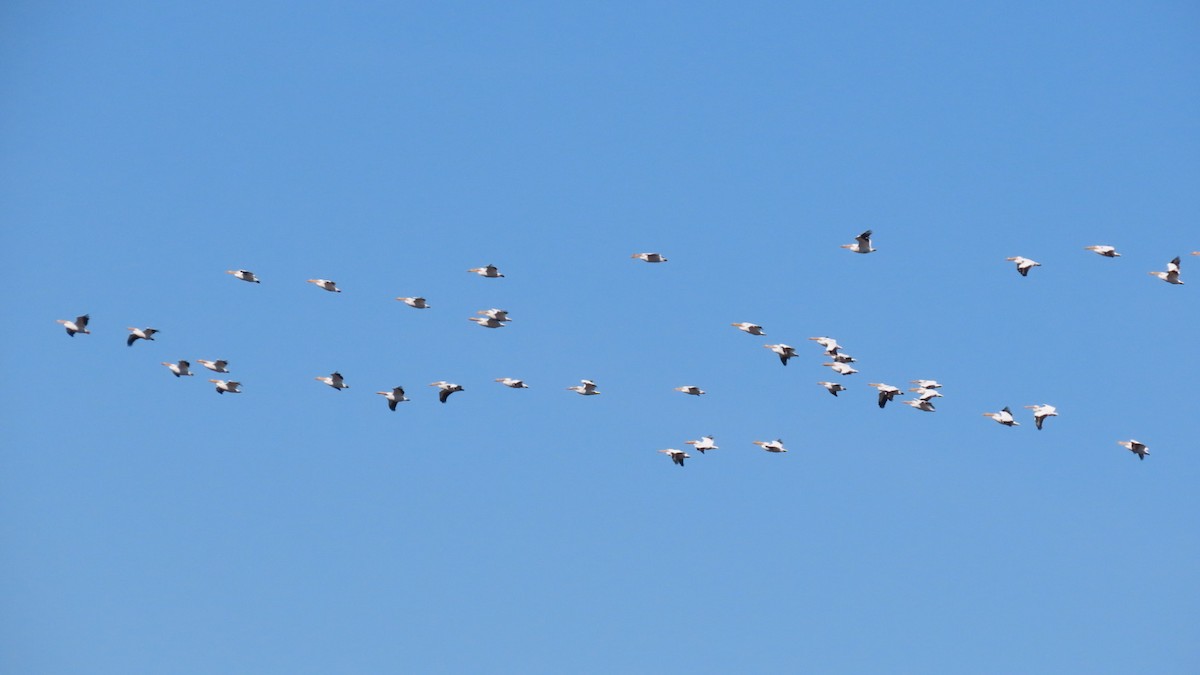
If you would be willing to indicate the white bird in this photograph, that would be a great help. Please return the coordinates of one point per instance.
(179, 369)
(418, 303)
(831, 345)
(886, 392)
(497, 314)
(490, 271)
(1041, 412)
(445, 389)
(79, 325)
(334, 380)
(691, 389)
(512, 382)
(920, 404)
(396, 395)
(703, 445)
(649, 257)
(586, 388)
(486, 322)
(230, 387)
(1004, 417)
(832, 387)
(926, 384)
(244, 275)
(1106, 251)
(862, 243)
(772, 446)
(1024, 264)
(784, 352)
(926, 394)
(1171, 276)
(676, 456)
(326, 284)
(218, 366)
(136, 334)
(747, 327)
(1139, 449)
(843, 357)
(840, 368)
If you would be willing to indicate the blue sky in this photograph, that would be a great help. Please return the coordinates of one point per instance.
(152, 526)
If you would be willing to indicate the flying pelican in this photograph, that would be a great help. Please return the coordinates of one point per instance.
(862, 243)
(418, 303)
(497, 314)
(326, 284)
(218, 366)
(920, 404)
(1171, 276)
(831, 345)
(649, 257)
(832, 387)
(785, 352)
(843, 357)
(926, 384)
(334, 380)
(772, 446)
(586, 388)
(676, 456)
(1024, 264)
(136, 334)
(886, 392)
(1041, 412)
(445, 389)
(79, 325)
(1004, 417)
(840, 368)
(229, 387)
(926, 394)
(703, 445)
(1139, 449)
(486, 322)
(747, 327)
(512, 382)
(1106, 251)
(396, 395)
(180, 368)
(244, 275)
(490, 271)
(690, 389)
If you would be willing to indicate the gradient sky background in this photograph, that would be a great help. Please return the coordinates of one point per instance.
(151, 526)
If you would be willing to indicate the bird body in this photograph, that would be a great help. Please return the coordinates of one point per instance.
(1139, 449)
(585, 388)
(179, 369)
(920, 404)
(747, 327)
(486, 321)
(334, 380)
(649, 257)
(1041, 412)
(784, 352)
(227, 387)
(218, 366)
(1106, 251)
(497, 314)
(136, 334)
(831, 345)
(396, 395)
(445, 389)
(772, 446)
(840, 368)
(1171, 276)
(927, 384)
(1004, 417)
(489, 271)
(691, 389)
(512, 382)
(1024, 264)
(326, 284)
(79, 325)
(862, 243)
(886, 392)
(703, 445)
(832, 387)
(244, 275)
(926, 394)
(418, 303)
(676, 456)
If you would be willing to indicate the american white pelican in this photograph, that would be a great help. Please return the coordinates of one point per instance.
(649, 257)
(843, 357)
(1171, 276)
(920, 404)
(244, 275)
(691, 389)
(1139, 449)
(832, 387)
(703, 445)
(326, 284)
(396, 395)
(926, 394)
(1003, 417)
(586, 388)
(886, 392)
(1041, 412)
(497, 314)
(179, 369)
(79, 325)
(926, 384)
(831, 345)
(490, 271)
(784, 352)
(218, 366)
(1024, 264)
(676, 456)
(334, 380)
(862, 243)
(227, 387)
(512, 382)
(840, 368)
(136, 334)
(772, 446)
(445, 389)
(1106, 251)
(418, 303)
(747, 327)
(486, 322)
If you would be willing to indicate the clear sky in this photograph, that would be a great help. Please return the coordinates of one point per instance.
(152, 526)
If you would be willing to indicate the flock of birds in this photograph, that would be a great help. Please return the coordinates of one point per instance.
(839, 361)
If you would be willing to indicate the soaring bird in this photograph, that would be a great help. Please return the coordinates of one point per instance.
(512, 382)
(831, 345)
(676, 456)
(445, 389)
(486, 321)
(218, 366)
(691, 389)
(1004, 417)
(832, 387)
(1041, 412)
(227, 387)
(649, 257)
(79, 325)
(1106, 251)
(334, 380)
(1024, 264)
(920, 404)
(862, 243)
(180, 368)
(136, 334)
(490, 271)
(1139, 449)
(418, 303)
(1171, 276)
(497, 314)
(396, 395)
(244, 275)
(927, 384)
(843, 357)
(703, 445)
(326, 284)
(751, 328)
(926, 394)
(772, 446)
(886, 392)
(586, 388)
(840, 368)
(784, 352)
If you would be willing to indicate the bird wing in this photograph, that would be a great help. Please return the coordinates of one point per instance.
(864, 240)
(336, 379)
(82, 321)
(444, 394)
(130, 340)
(391, 404)
(398, 392)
